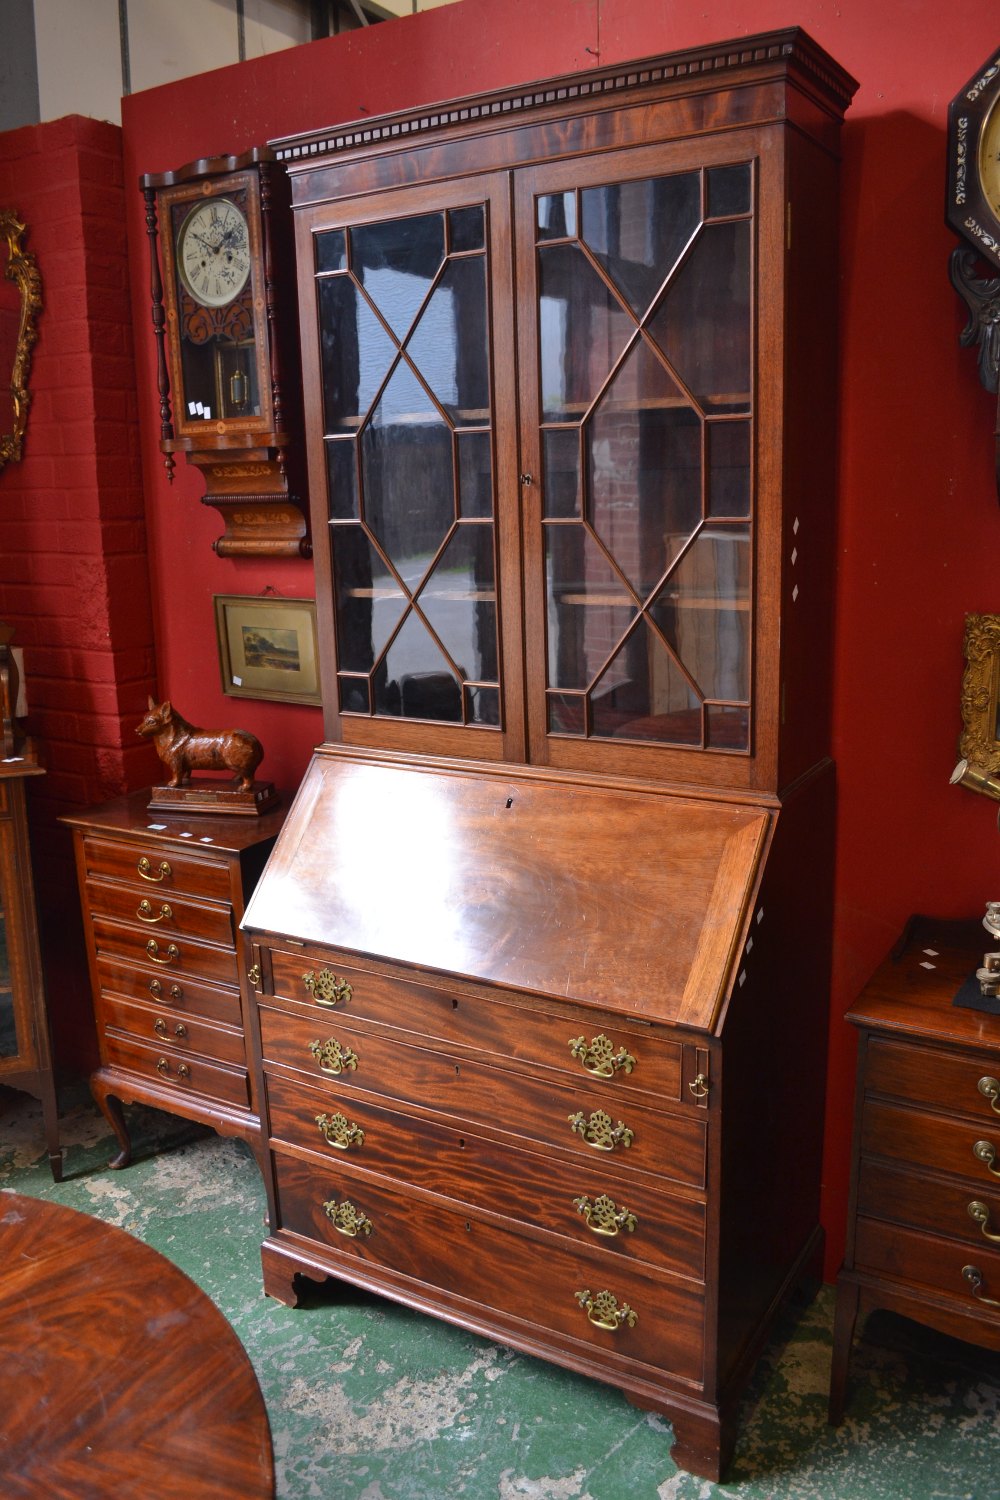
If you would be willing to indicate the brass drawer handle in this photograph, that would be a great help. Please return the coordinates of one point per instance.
(145, 866)
(603, 1216)
(599, 1056)
(172, 955)
(986, 1152)
(332, 1057)
(144, 911)
(975, 1279)
(604, 1312)
(600, 1131)
(163, 1066)
(699, 1086)
(155, 988)
(346, 1219)
(253, 974)
(161, 1028)
(326, 988)
(990, 1089)
(980, 1212)
(339, 1132)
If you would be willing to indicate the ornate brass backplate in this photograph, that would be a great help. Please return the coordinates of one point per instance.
(18, 331)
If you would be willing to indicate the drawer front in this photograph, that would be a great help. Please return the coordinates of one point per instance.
(970, 1148)
(156, 870)
(960, 1210)
(567, 1197)
(669, 1146)
(600, 1047)
(160, 914)
(165, 954)
(158, 1027)
(188, 1074)
(946, 1080)
(185, 995)
(494, 1267)
(913, 1257)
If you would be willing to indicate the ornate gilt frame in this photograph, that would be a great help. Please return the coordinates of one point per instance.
(23, 271)
(980, 741)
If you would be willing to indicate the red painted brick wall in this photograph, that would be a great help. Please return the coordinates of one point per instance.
(74, 579)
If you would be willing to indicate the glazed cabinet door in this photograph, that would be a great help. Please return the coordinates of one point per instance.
(639, 281)
(406, 299)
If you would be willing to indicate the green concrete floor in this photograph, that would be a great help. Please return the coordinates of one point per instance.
(368, 1401)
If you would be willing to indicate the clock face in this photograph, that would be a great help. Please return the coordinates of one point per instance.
(213, 252)
(989, 160)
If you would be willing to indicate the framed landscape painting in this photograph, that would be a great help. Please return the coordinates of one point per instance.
(267, 647)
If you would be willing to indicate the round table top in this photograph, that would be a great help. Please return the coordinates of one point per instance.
(119, 1376)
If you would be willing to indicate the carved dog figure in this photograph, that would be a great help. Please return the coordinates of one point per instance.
(183, 748)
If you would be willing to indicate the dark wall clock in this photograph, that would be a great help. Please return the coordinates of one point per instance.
(973, 211)
(226, 369)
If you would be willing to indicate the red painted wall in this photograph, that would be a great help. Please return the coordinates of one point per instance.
(73, 576)
(919, 524)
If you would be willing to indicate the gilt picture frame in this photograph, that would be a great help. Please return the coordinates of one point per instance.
(980, 739)
(268, 647)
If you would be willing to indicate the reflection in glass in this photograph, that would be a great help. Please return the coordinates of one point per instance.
(408, 412)
(727, 726)
(703, 612)
(589, 607)
(561, 466)
(703, 321)
(556, 216)
(583, 331)
(728, 468)
(637, 230)
(644, 694)
(728, 190)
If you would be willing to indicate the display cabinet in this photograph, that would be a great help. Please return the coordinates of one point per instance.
(549, 916)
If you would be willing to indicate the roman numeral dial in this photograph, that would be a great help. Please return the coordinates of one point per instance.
(213, 252)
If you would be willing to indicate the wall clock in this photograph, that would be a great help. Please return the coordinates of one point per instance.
(219, 233)
(973, 211)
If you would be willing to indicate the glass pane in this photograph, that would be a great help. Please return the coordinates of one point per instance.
(331, 250)
(450, 347)
(415, 680)
(729, 190)
(475, 474)
(589, 608)
(561, 467)
(638, 229)
(459, 600)
(556, 214)
(341, 479)
(728, 468)
(703, 322)
(727, 727)
(407, 475)
(567, 713)
(583, 330)
(356, 353)
(396, 263)
(467, 228)
(482, 705)
(704, 612)
(643, 447)
(644, 695)
(355, 696)
(370, 602)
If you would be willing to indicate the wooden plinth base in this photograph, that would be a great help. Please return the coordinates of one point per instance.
(215, 798)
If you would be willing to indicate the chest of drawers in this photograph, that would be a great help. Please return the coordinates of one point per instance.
(162, 901)
(924, 1216)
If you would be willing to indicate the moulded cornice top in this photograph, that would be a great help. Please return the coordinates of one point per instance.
(789, 49)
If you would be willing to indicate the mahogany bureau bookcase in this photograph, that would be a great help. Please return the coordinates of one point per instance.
(541, 953)
(162, 897)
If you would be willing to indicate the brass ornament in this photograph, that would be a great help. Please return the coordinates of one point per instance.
(603, 1216)
(332, 1057)
(21, 268)
(604, 1312)
(600, 1131)
(171, 956)
(976, 1280)
(339, 1132)
(981, 1214)
(326, 988)
(145, 867)
(990, 1089)
(144, 912)
(986, 1152)
(600, 1058)
(346, 1219)
(979, 743)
